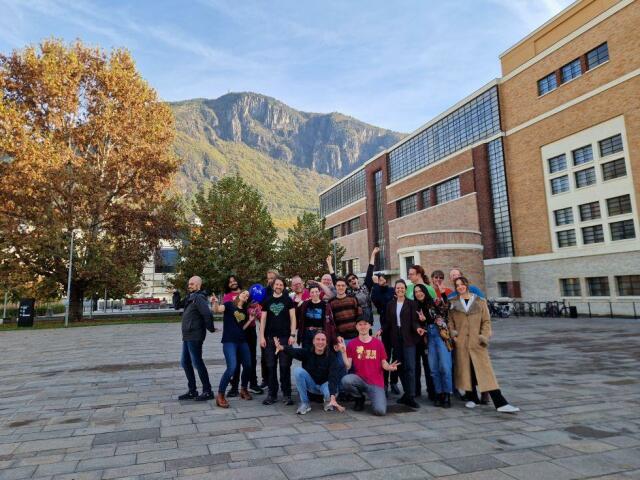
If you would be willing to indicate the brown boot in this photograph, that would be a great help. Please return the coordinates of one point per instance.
(221, 401)
(245, 395)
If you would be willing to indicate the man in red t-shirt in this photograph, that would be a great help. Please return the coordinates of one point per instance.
(368, 358)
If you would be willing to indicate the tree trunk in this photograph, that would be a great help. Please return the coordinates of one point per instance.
(77, 299)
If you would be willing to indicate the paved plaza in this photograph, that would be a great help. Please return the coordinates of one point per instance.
(100, 403)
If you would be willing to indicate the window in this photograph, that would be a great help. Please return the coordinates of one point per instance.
(378, 201)
(598, 286)
(582, 155)
(477, 119)
(500, 199)
(407, 205)
(560, 184)
(408, 263)
(585, 177)
(336, 231)
(166, 260)
(614, 169)
(353, 225)
(619, 205)
(589, 211)
(503, 289)
(557, 164)
(628, 285)
(426, 198)
(566, 238)
(564, 216)
(449, 190)
(570, 287)
(350, 266)
(347, 191)
(598, 55)
(594, 234)
(547, 84)
(570, 71)
(622, 230)
(610, 145)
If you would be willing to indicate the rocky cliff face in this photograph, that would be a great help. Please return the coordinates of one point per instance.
(332, 144)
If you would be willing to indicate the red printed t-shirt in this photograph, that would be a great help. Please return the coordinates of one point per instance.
(367, 360)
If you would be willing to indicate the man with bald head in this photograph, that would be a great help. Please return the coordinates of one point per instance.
(196, 320)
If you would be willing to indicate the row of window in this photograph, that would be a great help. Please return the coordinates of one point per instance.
(574, 69)
(591, 211)
(474, 121)
(583, 155)
(342, 194)
(346, 228)
(626, 285)
(435, 195)
(622, 230)
(350, 266)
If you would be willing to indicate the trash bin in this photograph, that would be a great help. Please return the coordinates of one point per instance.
(573, 312)
(26, 312)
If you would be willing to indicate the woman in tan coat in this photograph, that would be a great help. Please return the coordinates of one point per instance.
(470, 326)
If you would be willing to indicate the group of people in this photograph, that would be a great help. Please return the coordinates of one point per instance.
(327, 325)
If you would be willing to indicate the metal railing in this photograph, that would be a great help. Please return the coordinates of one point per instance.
(564, 308)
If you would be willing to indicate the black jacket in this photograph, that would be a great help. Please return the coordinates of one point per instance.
(322, 368)
(408, 323)
(196, 317)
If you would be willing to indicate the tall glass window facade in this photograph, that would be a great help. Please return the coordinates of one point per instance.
(474, 121)
(347, 191)
(500, 199)
(378, 189)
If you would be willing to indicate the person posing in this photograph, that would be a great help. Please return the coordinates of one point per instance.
(417, 276)
(456, 273)
(362, 293)
(368, 358)
(319, 373)
(381, 295)
(437, 282)
(470, 325)
(196, 320)
(346, 311)
(236, 320)
(432, 318)
(298, 293)
(327, 286)
(232, 289)
(402, 327)
(314, 316)
(278, 320)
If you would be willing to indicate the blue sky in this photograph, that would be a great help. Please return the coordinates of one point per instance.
(395, 64)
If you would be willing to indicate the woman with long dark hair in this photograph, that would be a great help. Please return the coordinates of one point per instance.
(470, 324)
(234, 344)
(432, 318)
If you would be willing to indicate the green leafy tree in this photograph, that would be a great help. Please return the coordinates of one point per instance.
(306, 248)
(233, 234)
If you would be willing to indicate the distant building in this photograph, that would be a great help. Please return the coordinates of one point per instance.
(530, 184)
(157, 273)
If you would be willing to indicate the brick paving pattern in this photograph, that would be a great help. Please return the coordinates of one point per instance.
(100, 403)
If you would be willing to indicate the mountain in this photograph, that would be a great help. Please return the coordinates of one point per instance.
(288, 155)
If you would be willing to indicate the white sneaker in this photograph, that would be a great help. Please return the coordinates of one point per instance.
(303, 409)
(471, 404)
(508, 409)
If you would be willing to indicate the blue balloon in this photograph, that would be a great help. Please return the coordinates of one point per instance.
(257, 292)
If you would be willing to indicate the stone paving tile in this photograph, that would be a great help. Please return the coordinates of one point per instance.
(82, 405)
(271, 472)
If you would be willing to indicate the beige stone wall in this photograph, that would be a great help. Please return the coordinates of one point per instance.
(469, 261)
(356, 246)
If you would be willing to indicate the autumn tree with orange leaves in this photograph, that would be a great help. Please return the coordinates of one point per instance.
(85, 147)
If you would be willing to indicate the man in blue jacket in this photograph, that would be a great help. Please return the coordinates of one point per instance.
(196, 320)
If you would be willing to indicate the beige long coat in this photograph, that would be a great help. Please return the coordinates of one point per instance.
(473, 331)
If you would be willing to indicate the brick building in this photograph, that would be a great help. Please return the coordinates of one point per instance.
(530, 183)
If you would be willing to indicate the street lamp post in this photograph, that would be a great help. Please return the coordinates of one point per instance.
(66, 313)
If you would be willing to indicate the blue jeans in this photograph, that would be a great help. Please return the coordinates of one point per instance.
(232, 353)
(356, 386)
(306, 384)
(439, 361)
(192, 357)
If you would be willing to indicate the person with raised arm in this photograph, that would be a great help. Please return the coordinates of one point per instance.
(368, 358)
